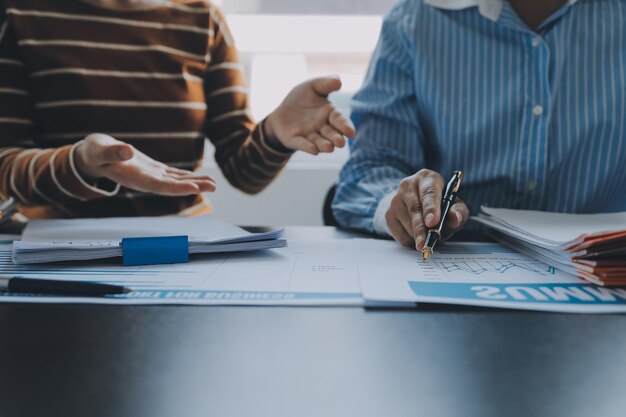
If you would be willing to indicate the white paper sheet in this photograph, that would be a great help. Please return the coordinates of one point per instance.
(479, 274)
(83, 239)
(549, 229)
(305, 273)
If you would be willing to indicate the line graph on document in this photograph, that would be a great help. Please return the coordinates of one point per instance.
(480, 267)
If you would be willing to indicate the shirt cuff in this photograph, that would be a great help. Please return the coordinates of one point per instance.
(81, 187)
(380, 222)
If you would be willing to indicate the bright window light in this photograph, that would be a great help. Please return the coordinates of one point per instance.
(305, 34)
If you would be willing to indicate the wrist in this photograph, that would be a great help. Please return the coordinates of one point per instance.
(380, 219)
(268, 127)
(83, 168)
(93, 187)
(271, 138)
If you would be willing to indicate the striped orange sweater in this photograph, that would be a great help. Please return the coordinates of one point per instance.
(161, 79)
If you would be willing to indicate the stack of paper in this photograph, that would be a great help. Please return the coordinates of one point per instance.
(305, 273)
(86, 239)
(590, 246)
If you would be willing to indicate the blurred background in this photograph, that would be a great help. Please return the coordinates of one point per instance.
(282, 43)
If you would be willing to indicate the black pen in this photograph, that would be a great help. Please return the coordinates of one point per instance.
(7, 209)
(21, 285)
(449, 196)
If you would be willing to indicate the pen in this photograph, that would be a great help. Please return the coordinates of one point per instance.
(7, 208)
(449, 196)
(21, 285)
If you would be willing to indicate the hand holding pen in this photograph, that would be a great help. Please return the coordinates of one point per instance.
(448, 199)
(416, 208)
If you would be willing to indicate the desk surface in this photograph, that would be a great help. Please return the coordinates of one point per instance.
(255, 361)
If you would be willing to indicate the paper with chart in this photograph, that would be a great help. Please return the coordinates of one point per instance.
(305, 273)
(480, 274)
(590, 246)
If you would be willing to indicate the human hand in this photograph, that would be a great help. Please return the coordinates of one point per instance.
(416, 208)
(101, 156)
(307, 121)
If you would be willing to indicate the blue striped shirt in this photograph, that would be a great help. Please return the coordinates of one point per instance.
(535, 119)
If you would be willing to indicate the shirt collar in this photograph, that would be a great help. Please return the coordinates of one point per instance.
(491, 9)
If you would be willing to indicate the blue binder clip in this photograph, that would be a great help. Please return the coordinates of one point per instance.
(155, 250)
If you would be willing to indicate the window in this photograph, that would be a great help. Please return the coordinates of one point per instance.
(284, 42)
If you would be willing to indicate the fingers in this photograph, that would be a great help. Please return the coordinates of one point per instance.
(114, 153)
(203, 185)
(191, 177)
(103, 149)
(412, 204)
(303, 144)
(97, 151)
(315, 143)
(172, 187)
(323, 86)
(341, 123)
(457, 217)
(323, 145)
(184, 174)
(416, 208)
(307, 114)
(206, 186)
(333, 136)
(169, 185)
(430, 190)
(204, 182)
(173, 170)
(397, 229)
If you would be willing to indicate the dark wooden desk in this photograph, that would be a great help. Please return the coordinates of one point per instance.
(158, 361)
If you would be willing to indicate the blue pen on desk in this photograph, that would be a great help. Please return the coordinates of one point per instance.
(19, 285)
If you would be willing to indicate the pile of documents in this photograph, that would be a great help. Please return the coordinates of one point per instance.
(547, 262)
(589, 246)
(86, 239)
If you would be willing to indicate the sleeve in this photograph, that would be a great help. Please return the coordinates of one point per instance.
(249, 159)
(389, 141)
(31, 175)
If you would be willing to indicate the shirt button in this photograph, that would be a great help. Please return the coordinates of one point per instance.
(531, 185)
(538, 110)
(536, 41)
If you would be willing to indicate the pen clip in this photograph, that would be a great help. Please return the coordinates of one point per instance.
(459, 175)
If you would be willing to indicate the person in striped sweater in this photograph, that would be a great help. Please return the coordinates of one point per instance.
(105, 106)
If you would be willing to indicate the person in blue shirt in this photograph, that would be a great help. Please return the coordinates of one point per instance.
(527, 97)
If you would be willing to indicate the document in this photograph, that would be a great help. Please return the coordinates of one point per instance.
(590, 246)
(85, 239)
(551, 230)
(305, 273)
(478, 274)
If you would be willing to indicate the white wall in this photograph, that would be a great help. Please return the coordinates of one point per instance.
(297, 195)
(295, 198)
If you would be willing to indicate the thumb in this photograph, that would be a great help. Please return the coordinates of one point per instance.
(325, 85)
(115, 153)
